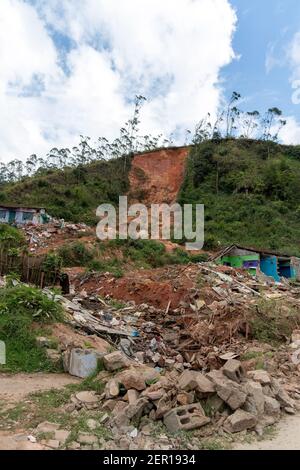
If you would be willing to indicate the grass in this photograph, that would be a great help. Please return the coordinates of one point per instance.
(20, 307)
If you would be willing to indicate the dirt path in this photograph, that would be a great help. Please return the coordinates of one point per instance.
(15, 387)
(287, 437)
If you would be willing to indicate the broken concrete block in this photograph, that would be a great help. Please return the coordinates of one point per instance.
(114, 361)
(47, 427)
(132, 378)
(192, 380)
(185, 398)
(239, 421)
(255, 401)
(185, 418)
(260, 376)
(82, 362)
(86, 438)
(52, 443)
(233, 369)
(232, 393)
(132, 396)
(61, 435)
(272, 406)
(112, 388)
(136, 410)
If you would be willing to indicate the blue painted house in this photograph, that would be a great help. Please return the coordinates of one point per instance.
(256, 260)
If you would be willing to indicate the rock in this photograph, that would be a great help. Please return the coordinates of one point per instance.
(154, 395)
(109, 405)
(192, 380)
(87, 397)
(185, 398)
(232, 393)
(86, 438)
(260, 376)
(185, 418)
(272, 406)
(73, 446)
(120, 406)
(284, 399)
(239, 421)
(82, 362)
(295, 357)
(162, 407)
(61, 435)
(215, 403)
(52, 443)
(112, 388)
(42, 342)
(136, 410)
(92, 424)
(104, 418)
(289, 410)
(255, 401)
(169, 363)
(114, 361)
(132, 396)
(54, 356)
(132, 379)
(295, 336)
(47, 427)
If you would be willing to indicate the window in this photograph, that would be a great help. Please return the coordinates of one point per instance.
(2, 214)
(27, 216)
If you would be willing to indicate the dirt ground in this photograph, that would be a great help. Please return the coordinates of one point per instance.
(14, 387)
(287, 437)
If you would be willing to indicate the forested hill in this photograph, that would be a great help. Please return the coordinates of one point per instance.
(251, 191)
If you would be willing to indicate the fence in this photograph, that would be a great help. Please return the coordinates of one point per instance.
(30, 269)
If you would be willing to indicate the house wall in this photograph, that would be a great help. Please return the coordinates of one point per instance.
(248, 261)
(19, 218)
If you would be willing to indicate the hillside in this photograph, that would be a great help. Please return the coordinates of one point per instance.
(250, 189)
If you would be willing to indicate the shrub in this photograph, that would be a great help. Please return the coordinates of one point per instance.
(11, 237)
(75, 254)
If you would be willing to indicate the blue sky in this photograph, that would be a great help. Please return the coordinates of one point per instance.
(73, 67)
(265, 30)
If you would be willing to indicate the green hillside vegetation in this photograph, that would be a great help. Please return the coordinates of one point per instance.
(72, 193)
(250, 190)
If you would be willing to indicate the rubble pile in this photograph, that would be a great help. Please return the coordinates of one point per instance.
(43, 236)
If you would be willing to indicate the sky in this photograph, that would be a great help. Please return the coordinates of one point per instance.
(73, 67)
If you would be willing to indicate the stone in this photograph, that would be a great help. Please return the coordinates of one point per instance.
(85, 438)
(185, 398)
(272, 406)
(92, 424)
(132, 378)
(191, 380)
(47, 427)
(233, 369)
(82, 362)
(132, 396)
(284, 399)
(104, 418)
(52, 443)
(154, 395)
(289, 410)
(53, 356)
(61, 435)
(260, 376)
(185, 418)
(255, 401)
(232, 393)
(115, 361)
(120, 406)
(112, 388)
(42, 342)
(73, 446)
(295, 357)
(239, 421)
(136, 410)
(87, 397)
(215, 403)
(109, 405)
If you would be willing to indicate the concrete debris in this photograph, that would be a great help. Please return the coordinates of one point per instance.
(233, 369)
(185, 418)
(115, 361)
(240, 421)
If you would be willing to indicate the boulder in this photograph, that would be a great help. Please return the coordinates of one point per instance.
(132, 379)
(239, 421)
(272, 406)
(255, 401)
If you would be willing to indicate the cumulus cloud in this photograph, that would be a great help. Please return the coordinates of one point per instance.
(73, 67)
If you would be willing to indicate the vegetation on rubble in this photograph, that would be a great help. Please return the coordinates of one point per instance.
(20, 307)
(113, 256)
(11, 238)
(250, 190)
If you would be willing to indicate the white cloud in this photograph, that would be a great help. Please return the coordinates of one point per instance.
(171, 52)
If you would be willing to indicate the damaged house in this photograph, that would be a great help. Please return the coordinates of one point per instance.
(256, 260)
(22, 215)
